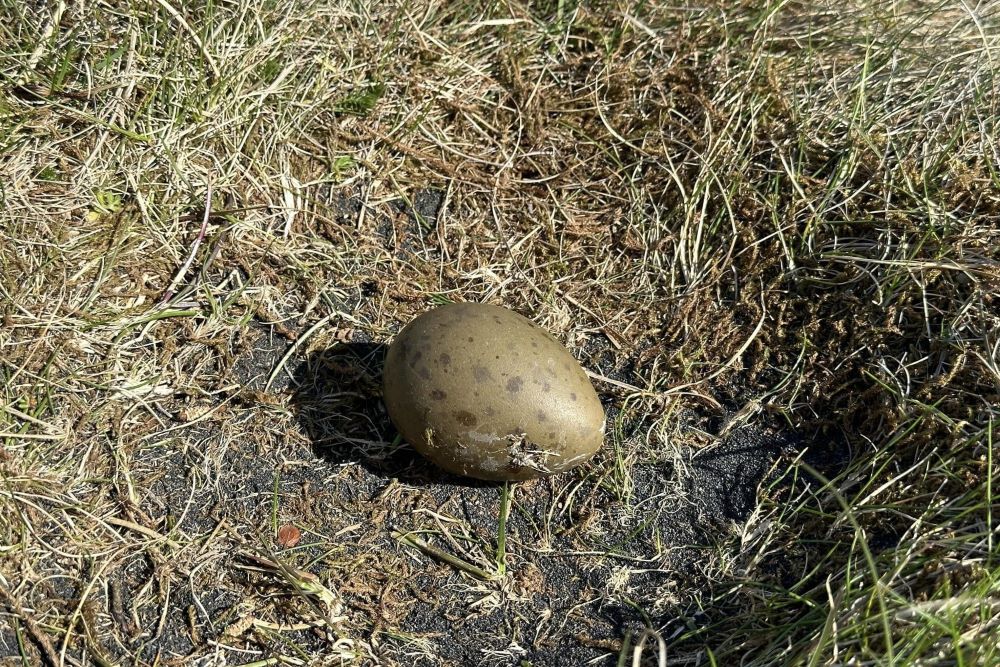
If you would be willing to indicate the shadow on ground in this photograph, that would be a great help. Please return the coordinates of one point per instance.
(337, 398)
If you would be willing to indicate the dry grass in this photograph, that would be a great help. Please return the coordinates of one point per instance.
(759, 217)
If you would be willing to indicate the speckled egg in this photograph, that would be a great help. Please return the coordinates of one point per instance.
(484, 392)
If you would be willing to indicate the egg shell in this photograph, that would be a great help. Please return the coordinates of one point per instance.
(484, 392)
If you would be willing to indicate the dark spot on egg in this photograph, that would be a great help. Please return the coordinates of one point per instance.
(418, 355)
(514, 384)
(425, 372)
(542, 416)
(534, 344)
(471, 339)
(445, 358)
(482, 374)
(572, 396)
(465, 418)
(438, 395)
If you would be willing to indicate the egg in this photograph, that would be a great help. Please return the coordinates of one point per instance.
(484, 392)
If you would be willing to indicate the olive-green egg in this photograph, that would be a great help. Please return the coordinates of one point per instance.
(484, 392)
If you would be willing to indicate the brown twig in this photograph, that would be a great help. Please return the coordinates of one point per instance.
(447, 558)
(172, 289)
(49, 654)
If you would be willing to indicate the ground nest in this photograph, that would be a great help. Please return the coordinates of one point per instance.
(575, 546)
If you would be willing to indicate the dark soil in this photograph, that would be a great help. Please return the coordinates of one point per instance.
(581, 571)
